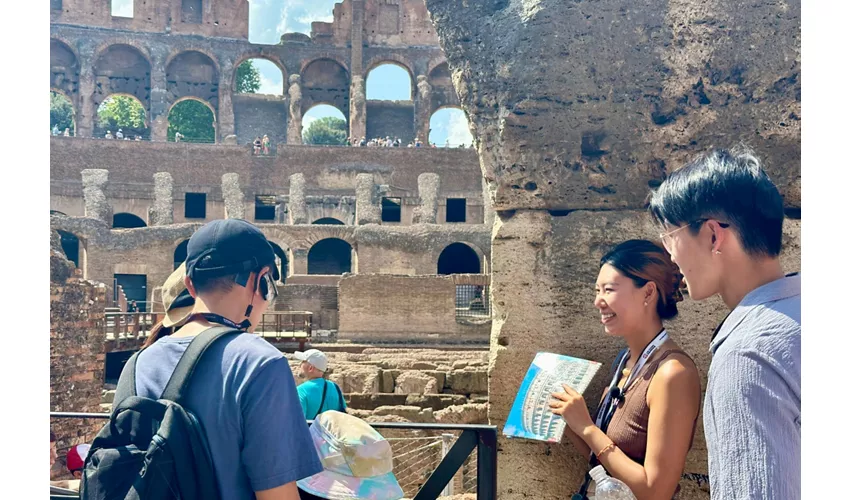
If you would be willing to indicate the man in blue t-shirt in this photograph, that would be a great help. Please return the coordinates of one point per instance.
(317, 394)
(244, 394)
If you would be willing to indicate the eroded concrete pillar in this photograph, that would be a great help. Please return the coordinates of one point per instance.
(234, 199)
(293, 124)
(422, 113)
(162, 212)
(297, 199)
(94, 194)
(429, 195)
(368, 204)
(357, 107)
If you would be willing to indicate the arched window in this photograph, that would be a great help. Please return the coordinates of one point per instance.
(329, 221)
(125, 220)
(180, 253)
(388, 82)
(458, 258)
(324, 125)
(329, 256)
(193, 119)
(449, 128)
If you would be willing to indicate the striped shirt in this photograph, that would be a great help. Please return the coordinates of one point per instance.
(752, 402)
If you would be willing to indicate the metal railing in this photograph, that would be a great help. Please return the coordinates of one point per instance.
(465, 457)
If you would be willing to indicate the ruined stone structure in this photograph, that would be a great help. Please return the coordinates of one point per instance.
(173, 50)
(578, 109)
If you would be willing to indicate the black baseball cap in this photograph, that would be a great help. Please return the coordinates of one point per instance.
(228, 246)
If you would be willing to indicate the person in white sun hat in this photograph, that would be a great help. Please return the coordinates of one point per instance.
(317, 394)
(358, 461)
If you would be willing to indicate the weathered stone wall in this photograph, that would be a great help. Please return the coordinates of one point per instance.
(256, 115)
(390, 307)
(578, 110)
(390, 118)
(198, 168)
(76, 356)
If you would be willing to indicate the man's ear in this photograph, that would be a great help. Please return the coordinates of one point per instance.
(190, 287)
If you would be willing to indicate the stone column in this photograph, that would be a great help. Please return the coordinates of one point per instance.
(357, 107)
(225, 121)
(85, 109)
(422, 112)
(162, 212)
(293, 124)
(368, 206)
(94, 194)
(158, 118)
(234, 199)
(429, 194)
(297, 199)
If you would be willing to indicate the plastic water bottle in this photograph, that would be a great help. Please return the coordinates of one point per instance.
(609, 488)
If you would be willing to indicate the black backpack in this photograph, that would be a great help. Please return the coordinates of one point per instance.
(154, 449)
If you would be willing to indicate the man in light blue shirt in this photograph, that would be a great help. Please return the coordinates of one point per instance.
(317, 394)
(722, 219)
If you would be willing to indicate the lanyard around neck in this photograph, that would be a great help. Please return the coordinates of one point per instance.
(648, 351)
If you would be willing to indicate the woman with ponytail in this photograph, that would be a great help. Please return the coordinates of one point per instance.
(645, 424)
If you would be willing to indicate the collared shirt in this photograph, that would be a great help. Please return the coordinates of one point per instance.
(752, 402)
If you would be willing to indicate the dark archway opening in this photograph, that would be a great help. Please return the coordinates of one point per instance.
(458, 258)
(71, 246)
(329, 256)
(329, 221)
(127, 221)
(180, 253)
(281, 261)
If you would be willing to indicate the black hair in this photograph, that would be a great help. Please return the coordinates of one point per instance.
(643, 261)
(730, 186)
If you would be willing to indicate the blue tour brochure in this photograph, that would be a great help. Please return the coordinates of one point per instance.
(530, 415)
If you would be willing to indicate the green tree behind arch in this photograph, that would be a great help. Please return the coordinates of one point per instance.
(328, 131)
(247, 78)
(193, 119)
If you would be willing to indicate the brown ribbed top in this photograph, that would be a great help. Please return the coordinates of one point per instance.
(630, 422)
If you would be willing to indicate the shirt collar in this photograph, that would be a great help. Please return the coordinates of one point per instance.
(783, 288)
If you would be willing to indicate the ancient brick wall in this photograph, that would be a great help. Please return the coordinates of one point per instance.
(76, 360)
(256, 115)
(388, 307)
(579, 109)
(390, 118)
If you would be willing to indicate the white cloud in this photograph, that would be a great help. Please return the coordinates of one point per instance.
(459, 129)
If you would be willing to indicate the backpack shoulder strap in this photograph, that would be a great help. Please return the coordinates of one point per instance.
(175, 390)
(126, 381)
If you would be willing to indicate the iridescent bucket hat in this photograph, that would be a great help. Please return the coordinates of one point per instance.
(358, 461)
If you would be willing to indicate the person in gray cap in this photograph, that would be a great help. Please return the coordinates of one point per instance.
(248, 404)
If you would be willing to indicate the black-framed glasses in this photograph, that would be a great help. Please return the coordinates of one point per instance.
(665, 237)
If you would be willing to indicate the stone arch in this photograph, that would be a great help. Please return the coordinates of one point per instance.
(459, 258)
(328, 221)
(173, 127)
(411, 78)
(438, 135)
(282, 261)
(180, 253)
(193, 73)
(330, 256)
(64, 69)
(122, 68)
(125, 220)
(442, 89)
(130, 131)
(325, 80)
(272, 58)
